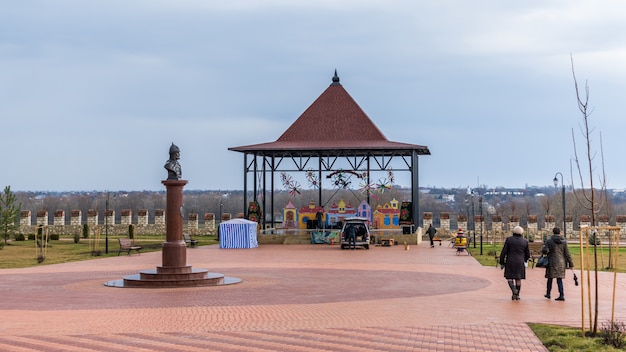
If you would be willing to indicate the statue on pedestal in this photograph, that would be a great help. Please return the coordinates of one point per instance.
(172, 166)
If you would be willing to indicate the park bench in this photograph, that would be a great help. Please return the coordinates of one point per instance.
(126, 245)
(189, 241)
(535, 253)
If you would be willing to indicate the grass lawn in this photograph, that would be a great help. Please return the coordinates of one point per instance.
(22, 254)
(555, 337)
(490, 250)
(558, 338)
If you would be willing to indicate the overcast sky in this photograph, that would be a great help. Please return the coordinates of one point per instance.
(92, 93)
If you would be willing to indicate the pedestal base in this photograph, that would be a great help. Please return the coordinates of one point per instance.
(173, 277)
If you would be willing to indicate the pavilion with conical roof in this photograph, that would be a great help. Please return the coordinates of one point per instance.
(334, 127)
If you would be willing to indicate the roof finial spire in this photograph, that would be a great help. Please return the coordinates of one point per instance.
(335, 80)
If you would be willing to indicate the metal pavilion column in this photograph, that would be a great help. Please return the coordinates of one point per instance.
(367, 182)
(255, 181)
(245, 182)
(319, 173)
(264, 211)
(273, 167)
(415, 188)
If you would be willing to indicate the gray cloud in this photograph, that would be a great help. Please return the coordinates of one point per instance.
(94, 92)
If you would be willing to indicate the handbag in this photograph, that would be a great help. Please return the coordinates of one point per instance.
(542, 261)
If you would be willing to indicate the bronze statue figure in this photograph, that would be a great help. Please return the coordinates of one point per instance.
(172, 166)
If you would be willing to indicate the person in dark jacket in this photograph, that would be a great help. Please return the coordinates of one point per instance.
(559, 260)
(431, 235)
(513, 257)
(351, 236)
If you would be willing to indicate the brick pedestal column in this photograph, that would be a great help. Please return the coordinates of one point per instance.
(174, 272)
(174, 248)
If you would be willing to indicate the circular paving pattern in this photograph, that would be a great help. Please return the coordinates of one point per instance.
(258, 287)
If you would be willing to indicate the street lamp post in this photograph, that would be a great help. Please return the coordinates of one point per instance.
(473, 220)
(482, 221)
(220, 217)
(467, 204)
(222, 197)
(556, 183)
(106, 226)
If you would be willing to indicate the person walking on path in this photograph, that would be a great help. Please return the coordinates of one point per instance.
(513, 257)
(431, 235)
(559, 259)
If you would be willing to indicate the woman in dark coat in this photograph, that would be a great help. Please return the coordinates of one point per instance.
(559, 260)
(513, 257)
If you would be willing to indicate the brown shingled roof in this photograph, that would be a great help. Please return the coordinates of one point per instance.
(333, 122)
(334, 116)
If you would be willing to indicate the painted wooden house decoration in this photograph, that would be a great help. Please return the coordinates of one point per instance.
(387, 216)
(307, 215)
(290, 216)
(339, 211)
(364, 210)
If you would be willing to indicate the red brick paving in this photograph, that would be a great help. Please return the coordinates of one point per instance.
(292, 298)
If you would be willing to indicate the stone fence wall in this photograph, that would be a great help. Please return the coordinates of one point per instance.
(60, 225)
(497, 228)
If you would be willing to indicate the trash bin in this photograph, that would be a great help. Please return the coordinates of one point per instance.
(460, 241)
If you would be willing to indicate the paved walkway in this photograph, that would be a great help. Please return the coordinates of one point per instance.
(292, 298)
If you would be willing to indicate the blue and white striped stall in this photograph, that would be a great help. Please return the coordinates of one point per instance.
(238, 233)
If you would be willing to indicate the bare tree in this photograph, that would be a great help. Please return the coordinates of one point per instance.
(514, 205)
(546, 203)
(590, 198)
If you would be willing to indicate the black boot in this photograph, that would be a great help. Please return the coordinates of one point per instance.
(548, 289)
(513, 290)
(561, 297)
(516, 292)
(559, 283)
